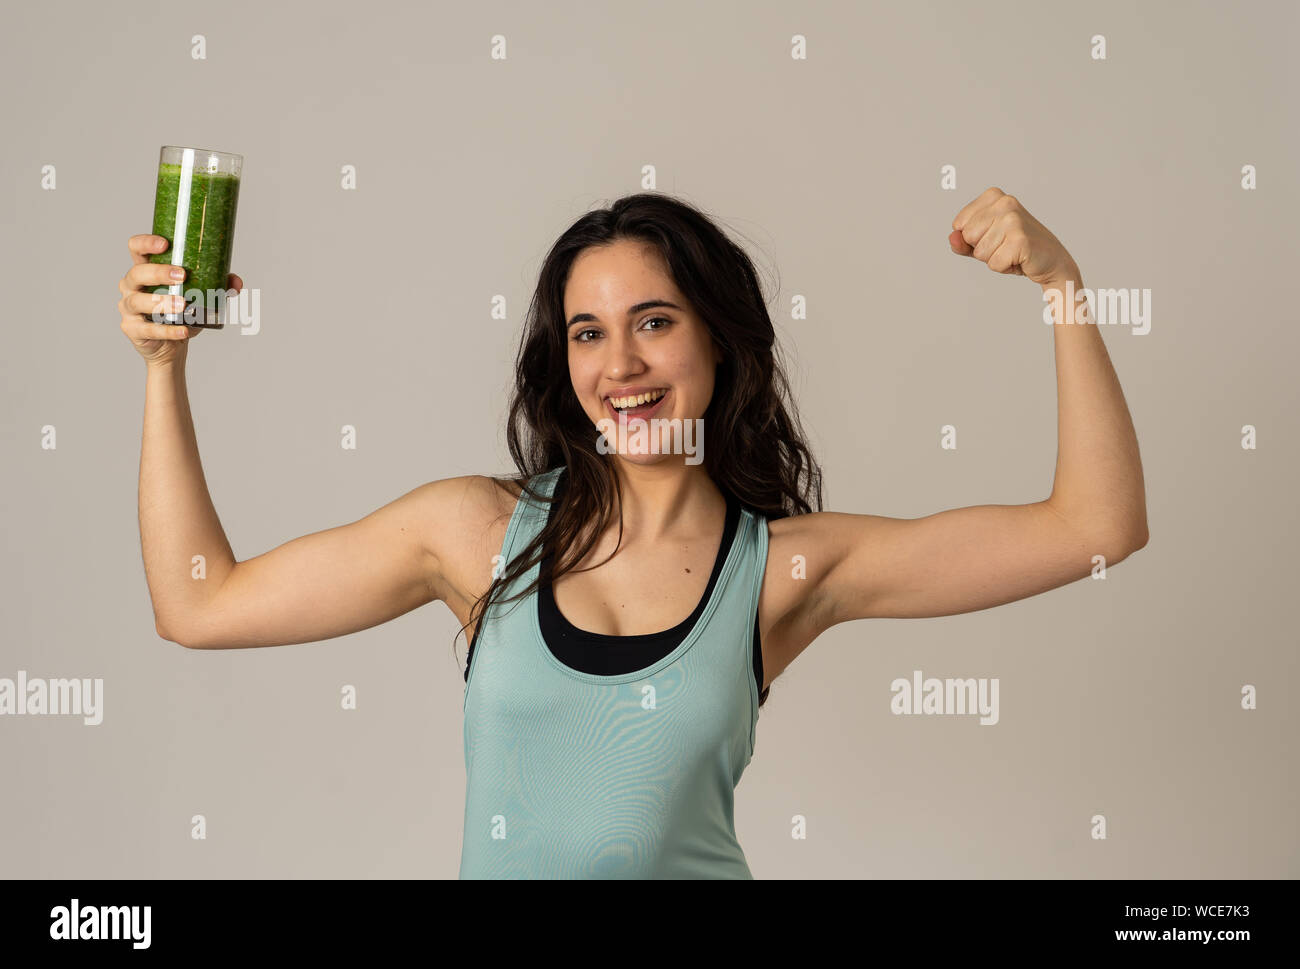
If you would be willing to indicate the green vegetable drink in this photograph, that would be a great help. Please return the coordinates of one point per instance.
(194, 210)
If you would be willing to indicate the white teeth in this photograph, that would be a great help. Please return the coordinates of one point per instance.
(624, 402)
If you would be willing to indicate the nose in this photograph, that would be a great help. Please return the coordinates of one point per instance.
(623, 360)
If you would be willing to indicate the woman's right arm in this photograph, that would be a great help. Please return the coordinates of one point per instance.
(316, 587)
(319, 586)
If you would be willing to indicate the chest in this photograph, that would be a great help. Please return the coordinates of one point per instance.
(640, 590)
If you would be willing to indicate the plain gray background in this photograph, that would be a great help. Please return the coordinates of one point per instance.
(1118, 697)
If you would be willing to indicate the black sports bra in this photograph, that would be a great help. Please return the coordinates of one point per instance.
(606, 655)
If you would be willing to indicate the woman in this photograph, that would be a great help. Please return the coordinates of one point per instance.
(640, 600)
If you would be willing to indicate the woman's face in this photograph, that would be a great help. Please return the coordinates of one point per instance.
(625, 337)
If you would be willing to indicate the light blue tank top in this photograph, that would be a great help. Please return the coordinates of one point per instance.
(581, 775)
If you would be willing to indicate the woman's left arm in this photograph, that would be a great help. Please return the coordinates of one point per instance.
(966, 559)
(1098, 484)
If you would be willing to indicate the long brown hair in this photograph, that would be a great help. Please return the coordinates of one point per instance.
(753, 444)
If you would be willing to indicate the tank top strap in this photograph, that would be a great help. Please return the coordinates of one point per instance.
(748, 579)
(529, 516)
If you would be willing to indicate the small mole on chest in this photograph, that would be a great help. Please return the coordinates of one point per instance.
(688, 571)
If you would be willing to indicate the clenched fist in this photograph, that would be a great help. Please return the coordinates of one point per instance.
(996, 229)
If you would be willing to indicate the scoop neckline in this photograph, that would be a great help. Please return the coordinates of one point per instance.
(546, 595)
(703, 610)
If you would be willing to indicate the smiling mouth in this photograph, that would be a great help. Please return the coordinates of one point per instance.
(639, 410)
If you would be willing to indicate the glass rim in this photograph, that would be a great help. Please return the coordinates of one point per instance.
(207, 151)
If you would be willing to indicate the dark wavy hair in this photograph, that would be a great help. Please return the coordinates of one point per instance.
(753, 443)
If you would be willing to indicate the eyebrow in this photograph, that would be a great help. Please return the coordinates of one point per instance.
(631, 311)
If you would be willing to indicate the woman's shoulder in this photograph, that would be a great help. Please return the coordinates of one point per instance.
(466, 520)
(479, 499)
(472, 505)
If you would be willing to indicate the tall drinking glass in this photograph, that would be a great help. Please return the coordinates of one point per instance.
(194, 210)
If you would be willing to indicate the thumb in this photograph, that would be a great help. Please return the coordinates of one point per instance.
(958, 244)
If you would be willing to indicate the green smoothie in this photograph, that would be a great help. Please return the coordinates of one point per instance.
(209, 227)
